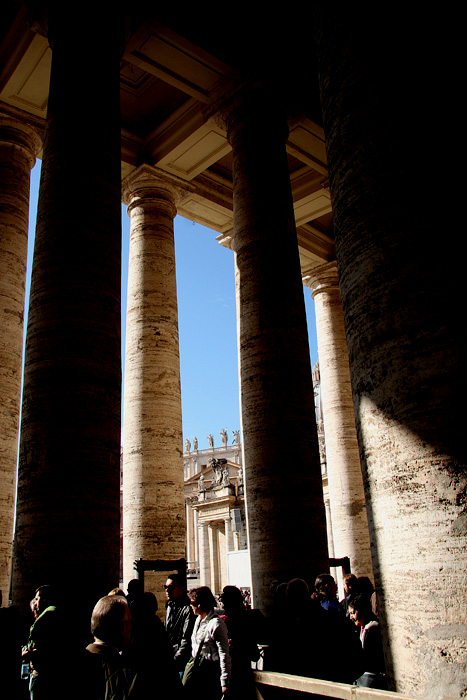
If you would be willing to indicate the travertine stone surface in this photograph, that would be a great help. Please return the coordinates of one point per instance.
(347, 499)
(19, 145)
(153, 496)
(401, 297)
(204, 556)
(69, 470)
(286, 517)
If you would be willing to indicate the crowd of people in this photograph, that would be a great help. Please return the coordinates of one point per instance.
(205, 646)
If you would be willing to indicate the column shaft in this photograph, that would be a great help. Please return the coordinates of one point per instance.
(286, 518)
(153, 497)
(18, 147)
(69, 470)
(204, 555)
(401, 288)
(347, 498)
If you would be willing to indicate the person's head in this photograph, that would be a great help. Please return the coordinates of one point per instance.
(326, 586)
(144, 608)
(45, 596)
(232, 600)
(117, 591)
(175, 587)
(201, 600)
(349, 583)
(360, 611)
(135, 589)
(111, 621)
(297, 592)
(364, 586)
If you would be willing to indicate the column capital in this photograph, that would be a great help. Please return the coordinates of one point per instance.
(322, 278)
(148, 183)
(252, 105)
(20, 135)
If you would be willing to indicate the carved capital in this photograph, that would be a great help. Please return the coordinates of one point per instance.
(252, 106)
(20, 135)
(323, 278)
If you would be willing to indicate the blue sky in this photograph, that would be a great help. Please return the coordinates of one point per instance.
(207, 323)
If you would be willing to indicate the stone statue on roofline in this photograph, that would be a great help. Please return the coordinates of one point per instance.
(224, 436)
(210, 440)
(187, 445)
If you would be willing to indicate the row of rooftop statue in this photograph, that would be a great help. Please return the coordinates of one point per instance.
(210, 438)
(205, 648)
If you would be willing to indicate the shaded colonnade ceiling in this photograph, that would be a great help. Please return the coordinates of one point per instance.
(175, 72)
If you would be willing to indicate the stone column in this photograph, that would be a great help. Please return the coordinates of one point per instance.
(229, 545)
(286, 518)
(153, 497)
(347, 499)
(196, 535)
(215, 563)
(189, 532)
(204, 556)
(19, 145)
(69, 469)
(402, 280)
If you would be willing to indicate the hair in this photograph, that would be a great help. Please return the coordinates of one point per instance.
(349, 578)
(364, 586)
(361, 604)
(321, 582)
(203, 597)
(135, 588)
(48, 595)
(117, 591)
(144, 607)
(179, 579)
(232, 599)
(106, 619)
(297, 592)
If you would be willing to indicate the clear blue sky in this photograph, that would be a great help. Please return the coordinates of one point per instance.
(207, 323)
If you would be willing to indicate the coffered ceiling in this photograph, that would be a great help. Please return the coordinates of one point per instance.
(170, 89)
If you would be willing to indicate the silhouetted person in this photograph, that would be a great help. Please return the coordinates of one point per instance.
(326, 593)
(111, 629)
(243, 647)
(47, 672)
(364, 586)
(179, 620)
(349, 581)
(149, 657)
(135, 590)
(362, 615)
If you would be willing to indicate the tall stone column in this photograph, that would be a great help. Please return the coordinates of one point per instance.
(229, 543)
(401, 280)
(19, 145)
(190, 539)
(215, 563)
(153, 497)
(204, 555)
(67, 526)
(345, 483)
(286, 518)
